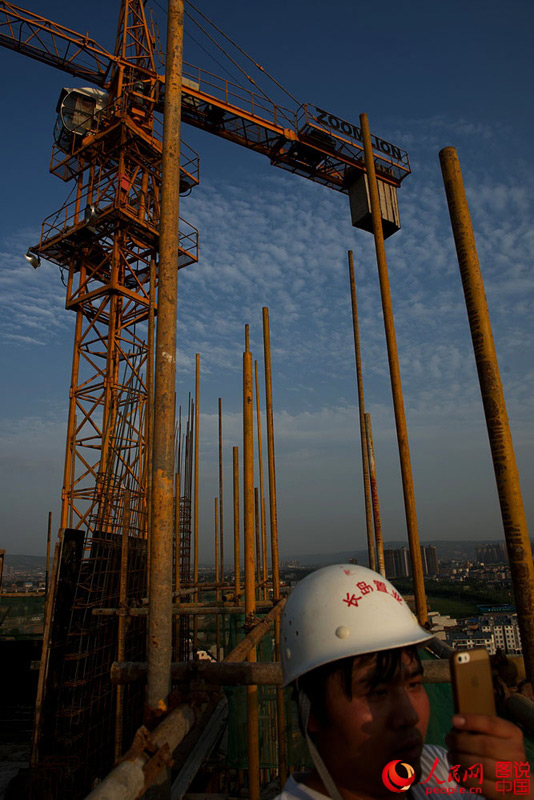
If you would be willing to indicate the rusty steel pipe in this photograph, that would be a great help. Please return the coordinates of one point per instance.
(195, 497)
(237, 553)
(130, 778)
(257, 535)
(361, 407)
(150, 397)
(262, 495)
(280, 708)
(238, 673)
(176, 593)
(250, 592)
(500, 437)
(177, 542)
(48, 539)
(242, 673)
(374, 495)
(49, 605)
(270, 454)
(240, 651)
(183, 609)
(221, 521)
(396, 384)
(159, 629)
(217, 578)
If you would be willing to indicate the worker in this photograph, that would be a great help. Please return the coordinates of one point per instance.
(349, 647)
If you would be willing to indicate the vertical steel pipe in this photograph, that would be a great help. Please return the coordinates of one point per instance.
(177, 539)
(264, 552)
(257, 535)
(195, 499)
(374, 495)
(217, 579)
(280, 708)
(70, 451)
(500, 438)
(123, 619)
(396, 384)
(270, 454)
(237, 553)
(262, 496)
(149, 422)
(361, 406)
(221, 522)
(177, 560)
(159, 640)
(48, 538)
(49, 608)
(250, 593)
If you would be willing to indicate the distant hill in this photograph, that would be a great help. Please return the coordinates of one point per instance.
(24, 562)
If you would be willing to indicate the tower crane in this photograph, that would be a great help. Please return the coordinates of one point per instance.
(108, 143)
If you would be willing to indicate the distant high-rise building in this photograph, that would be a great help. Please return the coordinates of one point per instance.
(492, 553)
(398, 563)
(429, 557)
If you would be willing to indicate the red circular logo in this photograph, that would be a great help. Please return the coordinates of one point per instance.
(395, 782)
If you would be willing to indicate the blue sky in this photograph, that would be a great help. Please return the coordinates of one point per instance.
(429, 76)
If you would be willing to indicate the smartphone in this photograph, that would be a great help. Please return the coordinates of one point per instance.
(472, 684)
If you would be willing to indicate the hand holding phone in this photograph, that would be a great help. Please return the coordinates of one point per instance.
(478, 735)
(472, 684)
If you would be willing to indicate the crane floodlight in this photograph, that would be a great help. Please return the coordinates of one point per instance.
(33, 259)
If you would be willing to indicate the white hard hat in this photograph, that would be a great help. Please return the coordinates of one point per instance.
(339, 611)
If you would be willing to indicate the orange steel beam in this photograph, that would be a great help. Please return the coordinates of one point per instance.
(305, 140)
(49, 42)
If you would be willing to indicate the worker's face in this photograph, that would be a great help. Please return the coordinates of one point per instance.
(381, 723)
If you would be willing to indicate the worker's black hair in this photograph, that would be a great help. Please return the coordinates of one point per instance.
(313, 683)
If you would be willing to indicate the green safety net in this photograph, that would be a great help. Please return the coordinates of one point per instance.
(268, 732)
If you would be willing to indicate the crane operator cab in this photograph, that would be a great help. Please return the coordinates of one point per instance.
(76, 109)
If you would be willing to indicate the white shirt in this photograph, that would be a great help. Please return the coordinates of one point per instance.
(293, 790)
